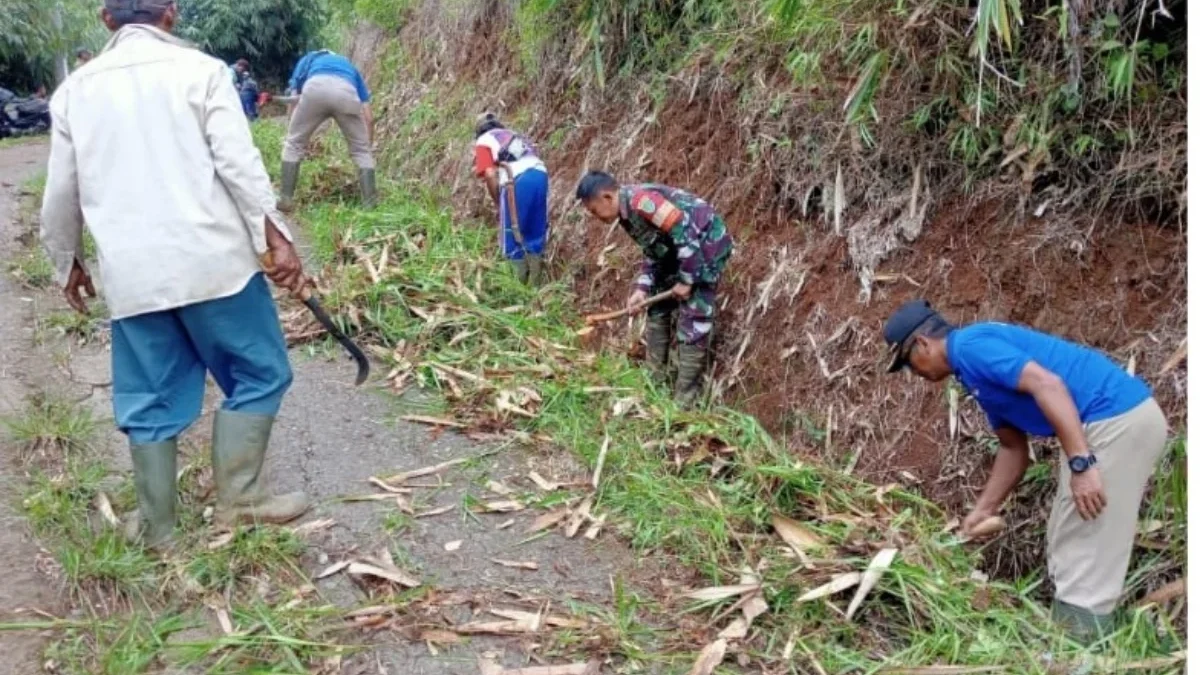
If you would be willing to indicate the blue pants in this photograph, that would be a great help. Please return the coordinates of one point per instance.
(533, 195)
(159, 362)
(249, 96)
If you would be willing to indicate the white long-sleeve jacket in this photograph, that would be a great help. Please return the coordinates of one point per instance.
(150, 148)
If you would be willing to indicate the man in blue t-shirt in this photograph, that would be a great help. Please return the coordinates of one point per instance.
(1112, 432)
(329, 86)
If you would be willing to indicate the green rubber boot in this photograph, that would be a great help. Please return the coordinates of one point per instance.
(153, 523)
(287, 192)
(692, 361)
(658, 345)
(366, 183)
(521, 269)
(1080, 623)
(239, 445)
(537, 270)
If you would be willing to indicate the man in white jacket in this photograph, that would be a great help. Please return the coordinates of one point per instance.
(150, 148)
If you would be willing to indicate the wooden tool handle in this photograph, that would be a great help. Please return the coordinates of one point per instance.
(593, 319)
(987, 528)
(267, 262)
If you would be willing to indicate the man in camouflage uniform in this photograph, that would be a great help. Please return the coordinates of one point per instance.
(686, 246)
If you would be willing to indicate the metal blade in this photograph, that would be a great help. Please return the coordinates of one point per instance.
(364, 366)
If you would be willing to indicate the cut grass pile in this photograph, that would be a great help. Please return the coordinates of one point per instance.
(701, 488)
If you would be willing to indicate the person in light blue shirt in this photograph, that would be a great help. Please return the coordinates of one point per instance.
(328, 86)
(1113, 435)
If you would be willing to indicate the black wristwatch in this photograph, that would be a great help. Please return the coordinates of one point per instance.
(1082, 464)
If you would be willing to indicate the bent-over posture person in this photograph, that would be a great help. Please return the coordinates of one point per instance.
(150, 148)
(686, 246)
(506, 161)
(330, 87)
(1112, 432)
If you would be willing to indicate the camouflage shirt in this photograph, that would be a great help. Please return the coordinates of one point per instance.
(679, 234)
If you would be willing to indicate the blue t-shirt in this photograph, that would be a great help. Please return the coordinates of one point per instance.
(328, 63)
(988, 358)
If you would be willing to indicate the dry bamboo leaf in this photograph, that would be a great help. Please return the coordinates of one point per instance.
(874, 573)
(372, 611)
(1165, 593)
(221, 541)
(736, 630)
(404, 505)
(549, 519)
(710, 657)
(225, 621)
(542, 483)
(502, 506)
(373, 497)
(1175, 359)
(426, 471)
(942, 670)
(499, 488)
(440, 636)
(594, 530)
(789, 648)
(435, 512)
(528, 622)
(490, 627)
(433, 421)
(506, 524)
(838, 584)
(797, 536)
(581, 514)
(452, 546)
(572, 669)
(393, 575)
(516, 564)
(387, 487)
(600, 463)
(104, 506)
(305, 529)
(333, 569)
(722, 592)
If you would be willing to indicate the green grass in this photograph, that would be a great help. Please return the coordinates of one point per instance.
(139, 610)
(444, 299)
(50, 424)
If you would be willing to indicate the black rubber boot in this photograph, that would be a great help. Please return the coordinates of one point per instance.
(658, 345)
(239, 446)
(1080, 623)
(366, 183)
(153, 523)
(521, 269)
(692, 362)
(537, 269)
(289, 180)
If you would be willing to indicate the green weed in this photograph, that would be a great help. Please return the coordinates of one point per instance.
(51, 424)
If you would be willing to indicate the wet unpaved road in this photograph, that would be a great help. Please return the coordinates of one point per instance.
(330, 438)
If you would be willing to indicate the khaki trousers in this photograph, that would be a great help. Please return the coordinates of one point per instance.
(327, 96)
(1088, 560)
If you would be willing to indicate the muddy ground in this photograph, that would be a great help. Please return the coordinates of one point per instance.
(330, 438)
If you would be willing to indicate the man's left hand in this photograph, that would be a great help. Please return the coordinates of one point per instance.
(1087, 490)
(682, 291)
(79, 279)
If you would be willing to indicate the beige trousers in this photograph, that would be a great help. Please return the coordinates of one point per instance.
(1088, 560)
(323, 97)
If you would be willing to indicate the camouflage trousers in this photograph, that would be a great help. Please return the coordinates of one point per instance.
(697, 314)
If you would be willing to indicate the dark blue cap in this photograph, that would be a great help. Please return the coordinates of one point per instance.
(901, 325)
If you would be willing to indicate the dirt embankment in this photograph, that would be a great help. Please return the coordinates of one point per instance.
(807, 293)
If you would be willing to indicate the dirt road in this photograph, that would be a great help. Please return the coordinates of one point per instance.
(330, 438)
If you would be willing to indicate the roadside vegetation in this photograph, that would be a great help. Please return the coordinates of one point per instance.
(710, 490)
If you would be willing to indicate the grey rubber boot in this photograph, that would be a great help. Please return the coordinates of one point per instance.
(521, 269)
(239, 446)
(1080, 623)
(692, 361)
(153, 523)
(658, 345)
(537, 269)
(366, 183)
(287, 192)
